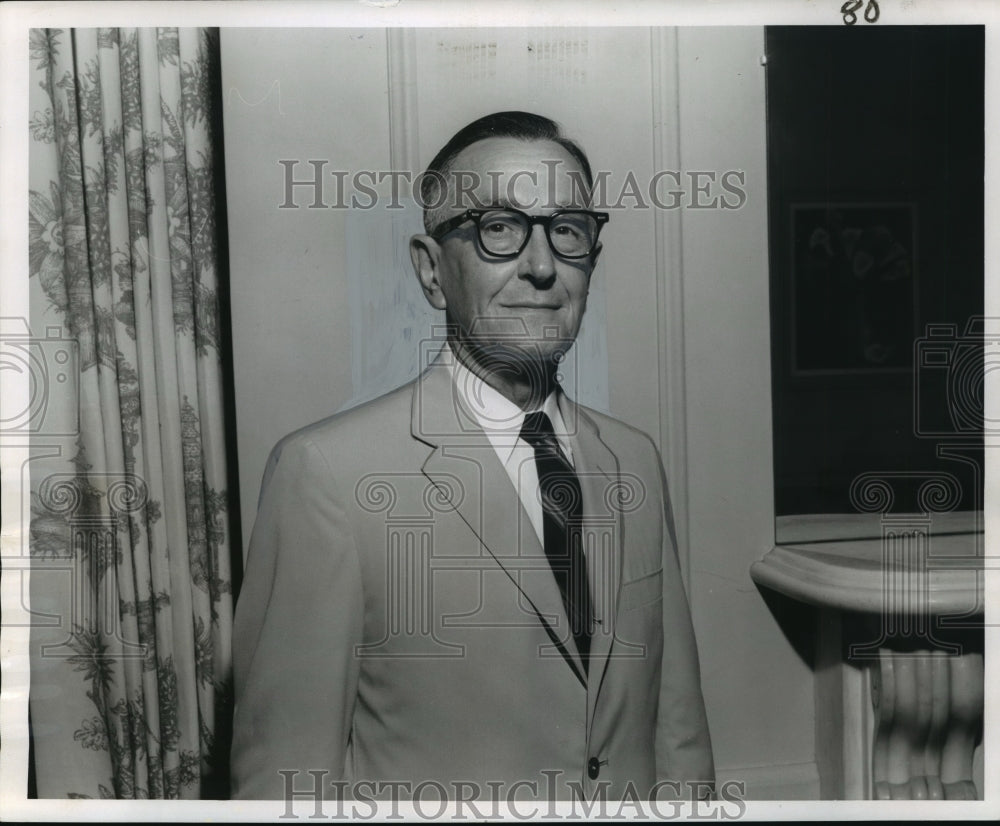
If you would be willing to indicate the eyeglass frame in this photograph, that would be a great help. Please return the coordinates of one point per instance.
(476, 215)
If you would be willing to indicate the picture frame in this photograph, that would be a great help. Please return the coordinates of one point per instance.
(853, 306)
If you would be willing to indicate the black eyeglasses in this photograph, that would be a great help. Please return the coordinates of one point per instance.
(572, 233)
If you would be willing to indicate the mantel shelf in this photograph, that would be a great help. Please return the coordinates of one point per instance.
(870, 576)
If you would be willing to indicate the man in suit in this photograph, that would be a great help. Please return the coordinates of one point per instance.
(471, 584)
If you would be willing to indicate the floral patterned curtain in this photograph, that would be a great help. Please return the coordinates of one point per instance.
(130, 583)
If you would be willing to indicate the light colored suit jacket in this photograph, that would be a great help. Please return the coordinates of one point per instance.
(399, 621)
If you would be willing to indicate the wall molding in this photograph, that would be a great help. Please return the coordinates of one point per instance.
(404, 132)
(844, 715)
(668, 226)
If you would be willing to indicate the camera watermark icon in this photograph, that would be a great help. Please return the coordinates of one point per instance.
(46, 361)
(950, 375)
(504, 347)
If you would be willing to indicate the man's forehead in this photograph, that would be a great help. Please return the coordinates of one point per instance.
(512, 172)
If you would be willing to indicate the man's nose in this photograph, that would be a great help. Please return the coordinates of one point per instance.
(536, 260)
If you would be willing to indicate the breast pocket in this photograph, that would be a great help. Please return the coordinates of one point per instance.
(642, 591)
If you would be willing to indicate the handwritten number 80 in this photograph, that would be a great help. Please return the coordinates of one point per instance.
(851, 6)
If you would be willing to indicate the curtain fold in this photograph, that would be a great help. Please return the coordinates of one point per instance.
(130, 545)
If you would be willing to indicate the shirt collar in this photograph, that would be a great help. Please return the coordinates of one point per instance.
(501, 419)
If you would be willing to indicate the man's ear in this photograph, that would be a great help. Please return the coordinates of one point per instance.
(425, 253)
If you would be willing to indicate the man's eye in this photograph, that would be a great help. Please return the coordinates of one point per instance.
(567, 230)
(497, 228)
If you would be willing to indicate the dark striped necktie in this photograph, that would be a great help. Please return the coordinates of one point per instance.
(562, 506)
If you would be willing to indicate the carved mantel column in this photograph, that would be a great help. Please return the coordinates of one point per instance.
(928, 716)
(899, 657)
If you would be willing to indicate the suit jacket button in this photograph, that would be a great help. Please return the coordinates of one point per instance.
(593, 768)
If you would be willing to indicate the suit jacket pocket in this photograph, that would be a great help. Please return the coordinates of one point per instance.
(642, 591)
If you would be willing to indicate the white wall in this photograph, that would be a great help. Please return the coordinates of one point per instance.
(293, 94)
(759, 692)
(301, 329)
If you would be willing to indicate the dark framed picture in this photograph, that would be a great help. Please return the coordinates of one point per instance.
(853, 290)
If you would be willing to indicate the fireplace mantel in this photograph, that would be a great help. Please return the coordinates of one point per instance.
(899, 657)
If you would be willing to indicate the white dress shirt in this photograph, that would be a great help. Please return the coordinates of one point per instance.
(501, 421)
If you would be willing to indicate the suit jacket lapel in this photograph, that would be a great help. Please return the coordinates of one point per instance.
(598, 471)
(464, 465)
